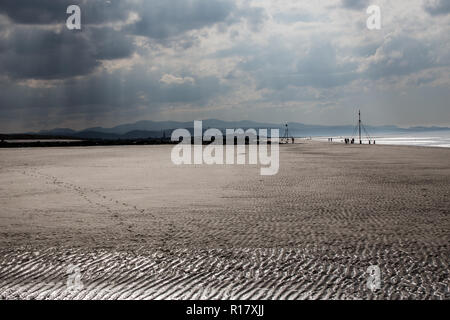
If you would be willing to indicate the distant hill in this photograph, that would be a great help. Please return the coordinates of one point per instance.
(155, 129)
(57, 131)
(147, 125)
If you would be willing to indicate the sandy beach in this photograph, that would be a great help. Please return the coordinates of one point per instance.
(139, 227)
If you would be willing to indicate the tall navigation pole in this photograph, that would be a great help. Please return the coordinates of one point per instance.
(359, 126)
(286, 134)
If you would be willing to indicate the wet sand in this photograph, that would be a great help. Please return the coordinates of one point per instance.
(139, 227)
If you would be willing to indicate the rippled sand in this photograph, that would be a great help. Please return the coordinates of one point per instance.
(138, 227)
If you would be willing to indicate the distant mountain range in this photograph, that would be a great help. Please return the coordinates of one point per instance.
(157, 129)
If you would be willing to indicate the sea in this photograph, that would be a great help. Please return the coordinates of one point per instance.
(425, 139)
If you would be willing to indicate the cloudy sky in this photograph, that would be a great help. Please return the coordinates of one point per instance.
(282, 60)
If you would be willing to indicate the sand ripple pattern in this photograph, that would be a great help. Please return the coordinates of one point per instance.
(308, 273)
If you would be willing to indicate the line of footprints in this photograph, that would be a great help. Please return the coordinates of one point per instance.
(83, 192)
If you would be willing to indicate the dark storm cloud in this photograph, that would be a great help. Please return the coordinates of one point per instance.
(54, 11)
(30, 52)
(34, 12)
(437, 7)
(111, 44)
(45, 54)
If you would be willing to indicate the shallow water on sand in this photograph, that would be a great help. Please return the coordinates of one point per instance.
(421, 139)
(425, 139)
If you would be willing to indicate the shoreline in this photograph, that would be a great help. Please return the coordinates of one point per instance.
(77, 145)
